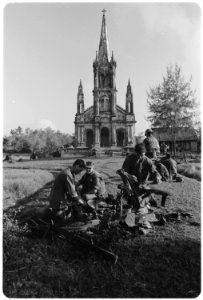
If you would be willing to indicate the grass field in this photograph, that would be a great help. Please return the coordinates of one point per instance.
(192, 170)
(164, 263)
(19, 183)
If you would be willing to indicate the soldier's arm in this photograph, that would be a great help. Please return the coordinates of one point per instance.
(95, 184)
(127, 164)
(81, 181)
(174, 167)
(70, 187)
(154, 172)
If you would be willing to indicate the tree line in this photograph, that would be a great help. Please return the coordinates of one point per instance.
(29, 140)
(171, 104)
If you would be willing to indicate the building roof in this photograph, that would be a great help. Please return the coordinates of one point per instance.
(181, 134)
(104, 43)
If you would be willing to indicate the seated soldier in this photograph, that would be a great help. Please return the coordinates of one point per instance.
(164, 148)
(141, 166)
(90, 183)
(162, 170)
(63, 190)
(151, 144)
(171, 165)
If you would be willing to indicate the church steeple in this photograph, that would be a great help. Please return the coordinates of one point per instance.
(104, 43)
(80, 99)
(129, 99)
(105, 124)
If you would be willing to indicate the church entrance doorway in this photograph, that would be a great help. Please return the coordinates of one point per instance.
(120, 137)
(89, 138)
(105, 137)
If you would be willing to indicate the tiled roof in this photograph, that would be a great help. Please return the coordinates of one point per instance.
(181, 134)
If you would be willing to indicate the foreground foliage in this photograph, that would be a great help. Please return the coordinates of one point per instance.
(159, 265)
(165, 263)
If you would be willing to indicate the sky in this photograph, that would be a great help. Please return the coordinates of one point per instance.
(49, 47)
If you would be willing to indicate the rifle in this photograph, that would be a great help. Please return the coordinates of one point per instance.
(128, 180)
(82, 242)
(56, 229)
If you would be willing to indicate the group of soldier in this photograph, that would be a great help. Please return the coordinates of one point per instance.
(144, 164)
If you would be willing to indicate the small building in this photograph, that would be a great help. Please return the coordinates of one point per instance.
(185, 137)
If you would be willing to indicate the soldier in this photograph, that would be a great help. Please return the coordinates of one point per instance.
(141, 166)
(162, 170)
(63, 190)
(90, 183)
(171, 165)
(151, 144)
(164, 148)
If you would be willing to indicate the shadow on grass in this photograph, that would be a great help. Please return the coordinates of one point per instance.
(145, 269)
(34, 198)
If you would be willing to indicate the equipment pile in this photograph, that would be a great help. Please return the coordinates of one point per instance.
(133, 211)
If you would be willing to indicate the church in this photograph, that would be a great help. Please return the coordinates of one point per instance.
(105, 124)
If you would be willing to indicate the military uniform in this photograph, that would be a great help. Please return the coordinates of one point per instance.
(171, 166)
(63, 190)
(152, 146)
(141, 167)
(90, 183)
(162, 171)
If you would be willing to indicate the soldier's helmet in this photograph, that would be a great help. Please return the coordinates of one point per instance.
(148, 131)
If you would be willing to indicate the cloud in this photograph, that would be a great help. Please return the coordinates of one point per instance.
(44, 123)
(180, 23)
(159, 18)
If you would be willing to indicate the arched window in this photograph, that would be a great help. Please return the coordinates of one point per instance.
(102, 104)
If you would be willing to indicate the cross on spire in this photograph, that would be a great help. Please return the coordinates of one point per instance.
(104, 44)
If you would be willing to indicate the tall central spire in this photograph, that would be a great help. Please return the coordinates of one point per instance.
(104, 43)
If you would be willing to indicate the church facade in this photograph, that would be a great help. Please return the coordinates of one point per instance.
(105, 124)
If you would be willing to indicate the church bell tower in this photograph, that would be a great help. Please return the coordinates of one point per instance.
(104, 92)
(105, 124)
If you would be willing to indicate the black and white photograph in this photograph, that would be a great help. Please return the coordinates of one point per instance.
(101, 152)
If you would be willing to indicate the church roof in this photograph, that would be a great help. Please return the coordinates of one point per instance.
(104, 43)
(120, 109)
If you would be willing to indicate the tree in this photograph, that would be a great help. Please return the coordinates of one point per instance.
(172, 103)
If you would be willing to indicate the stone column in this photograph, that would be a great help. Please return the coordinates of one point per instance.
(113, 107)
(96, 79)
(129, 134)
(113, 135)
(96, 103)
(96, 136)
(114, 76)
(78, 135)
(82, 135)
